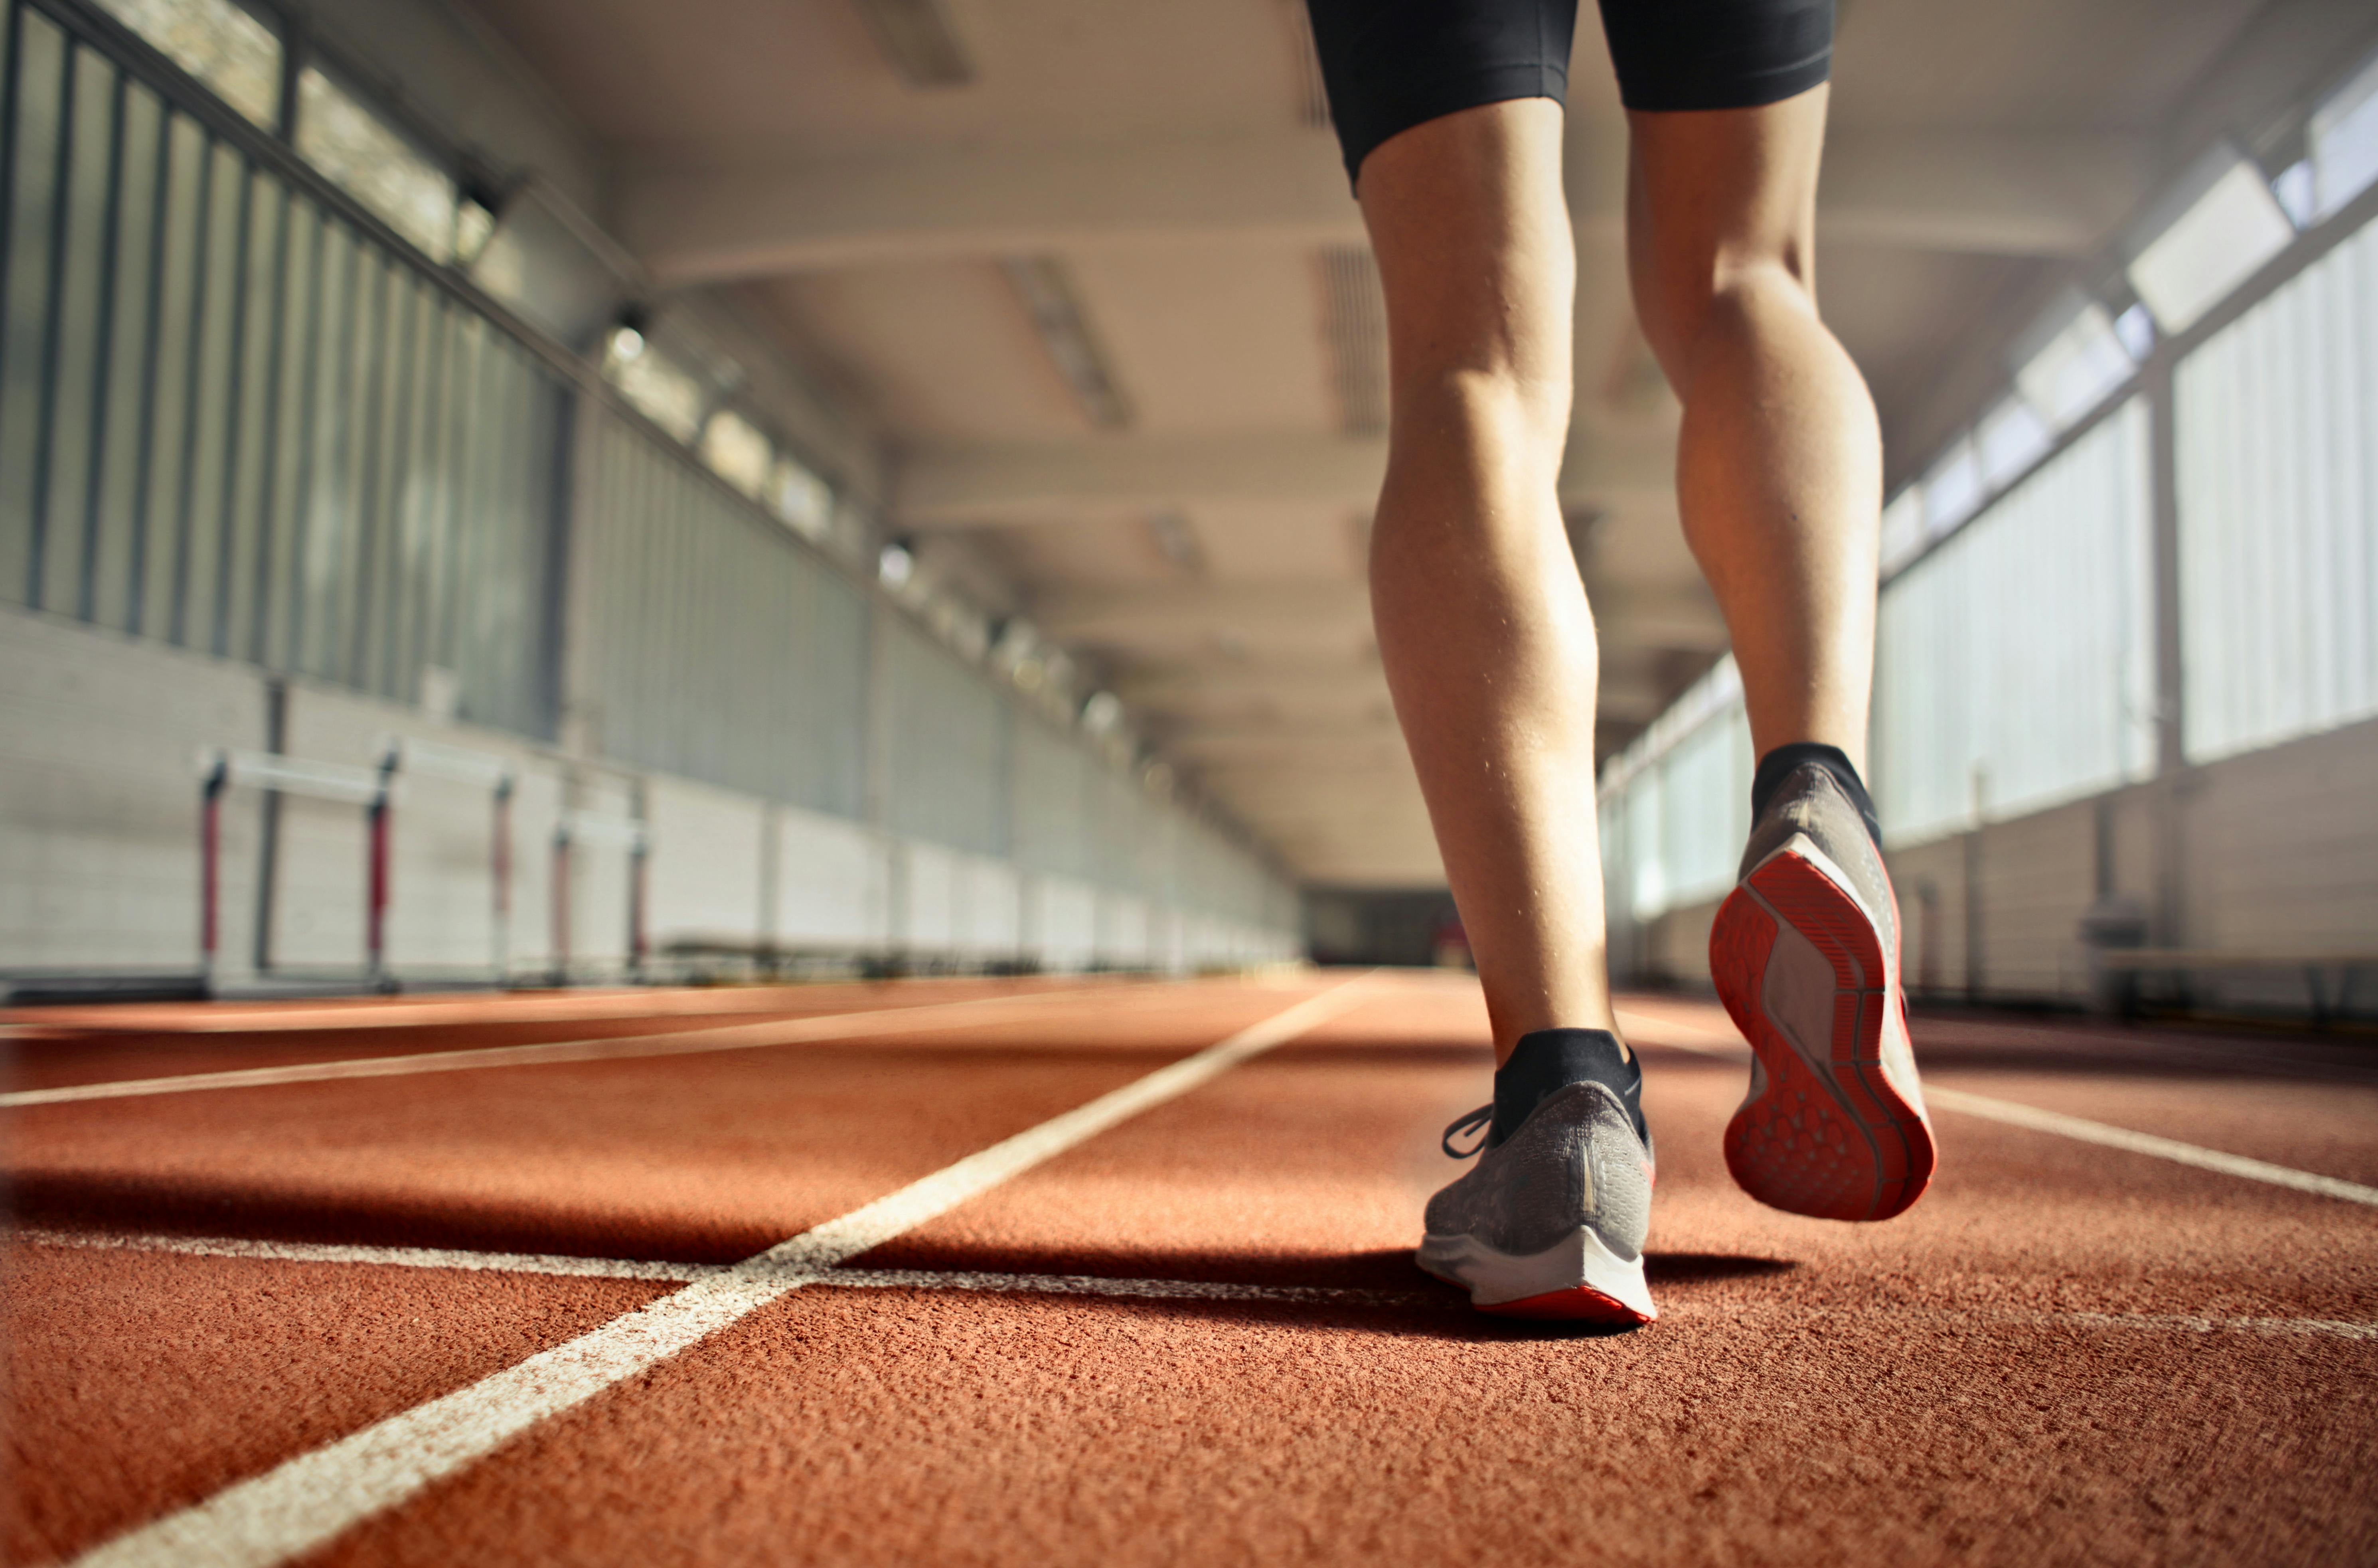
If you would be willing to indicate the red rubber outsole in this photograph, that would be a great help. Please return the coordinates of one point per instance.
(1579, 1303)
(1838, 1145)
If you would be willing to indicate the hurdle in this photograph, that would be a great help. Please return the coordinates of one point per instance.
(221, 771)
(574, 828)
(457, 764)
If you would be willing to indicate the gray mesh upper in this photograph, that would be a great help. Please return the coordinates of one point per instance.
(1812, 801)
(1575, 1161)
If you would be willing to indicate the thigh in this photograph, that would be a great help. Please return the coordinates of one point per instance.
(1392, 64)
(1685, 54)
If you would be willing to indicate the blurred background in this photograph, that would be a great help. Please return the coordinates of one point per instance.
(530, 490)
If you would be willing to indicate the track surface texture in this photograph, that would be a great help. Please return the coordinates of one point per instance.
(658, 1295)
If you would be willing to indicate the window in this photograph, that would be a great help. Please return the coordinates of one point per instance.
(2343, 138)
(661, 391)
(2011, 437)
(1903, 528)
(216, 41)
(2079, 366)
(801, 499)
(737, 453)
(378, 166)
(2276, 420)
(2218, 241)
(1953, 488)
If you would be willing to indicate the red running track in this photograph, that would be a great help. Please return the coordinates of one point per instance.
(1219, 1350)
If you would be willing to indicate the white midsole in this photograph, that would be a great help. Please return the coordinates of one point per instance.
(1577, 1259)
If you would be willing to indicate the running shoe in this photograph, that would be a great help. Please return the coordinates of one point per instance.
(1551, 1222)
(1806, 957)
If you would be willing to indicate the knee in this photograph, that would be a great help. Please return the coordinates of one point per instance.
(1688, 310)
(1501, 407)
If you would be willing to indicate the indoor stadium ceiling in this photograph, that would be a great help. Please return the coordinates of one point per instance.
(1091, 269)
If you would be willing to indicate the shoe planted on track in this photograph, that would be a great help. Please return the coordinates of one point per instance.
(1550, 1223)
(1806, 957)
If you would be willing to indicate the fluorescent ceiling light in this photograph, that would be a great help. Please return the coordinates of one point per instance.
(1048, 293)
(2344, 139)
(2222, 238)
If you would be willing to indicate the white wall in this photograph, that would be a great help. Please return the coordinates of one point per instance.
(100, 738)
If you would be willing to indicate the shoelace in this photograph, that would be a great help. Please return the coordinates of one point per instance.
(1478, 1122)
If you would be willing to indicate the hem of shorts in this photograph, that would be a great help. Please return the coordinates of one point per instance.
(1750, 90)
(1501, 84)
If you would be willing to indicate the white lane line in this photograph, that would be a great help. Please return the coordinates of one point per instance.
(560, 1264)
(310, 1499)
(684, 1042)
(1660, 1032)
(2088, 1132)
(1102, 1285)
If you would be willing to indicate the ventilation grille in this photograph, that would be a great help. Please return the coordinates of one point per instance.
(1313, 95)
(1354, 328)
(916, 37)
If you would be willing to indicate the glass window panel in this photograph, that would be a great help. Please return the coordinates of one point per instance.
(330, 405)
(1953, 488)
(41, 107)
(253, 366)
(165, 454)
(2277, 484)
(663, 393)
(2222, 238)
(378, 166)
(2014, 665)
(207, 468)
(2076, 369)
(130, 343)
(217, 41)
(1903, 528)
(800, 498)
(738, 452)
(299, 308)
(64, 480)
(2010, 437)
(2344, 139)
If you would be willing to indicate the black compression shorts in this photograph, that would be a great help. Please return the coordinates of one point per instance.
(1391, 63)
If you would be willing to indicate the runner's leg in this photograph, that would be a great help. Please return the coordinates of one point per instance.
(1482, 623)
(1779, 468)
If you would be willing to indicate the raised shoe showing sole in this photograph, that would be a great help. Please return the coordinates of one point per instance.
(1834, 1124)
(1550, 1223)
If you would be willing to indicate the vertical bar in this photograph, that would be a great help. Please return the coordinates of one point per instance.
(501, 853)
(145, 446)
(376, 824)
(209, 864)
(52, 336)
(561, 896)
(268, 851)
(638, 857)
(2171, 692)
(103, 358)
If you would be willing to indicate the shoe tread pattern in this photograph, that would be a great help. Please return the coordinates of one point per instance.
(1836, 1141)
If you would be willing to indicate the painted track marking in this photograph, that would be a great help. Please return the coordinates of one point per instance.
(308, 1501)
(684, 1042)
(1107, 1285)
(1660, 1032)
